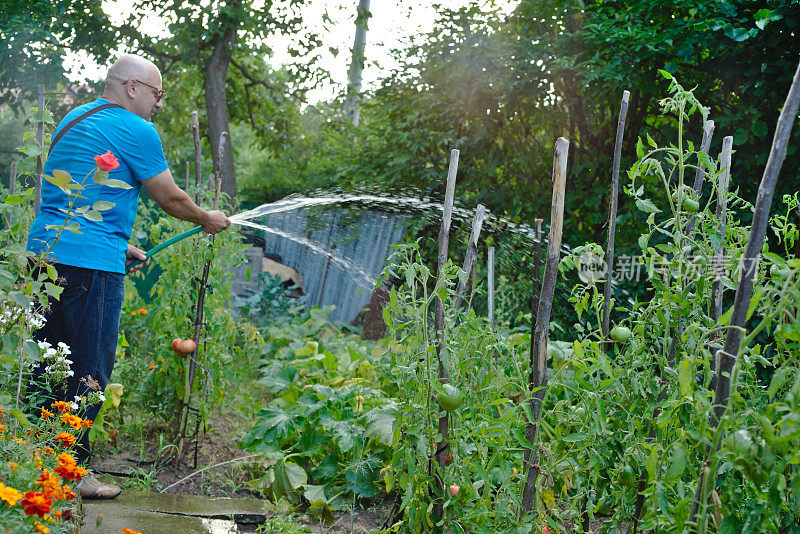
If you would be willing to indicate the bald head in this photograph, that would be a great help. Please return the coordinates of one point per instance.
(130, 66)
(134, 83)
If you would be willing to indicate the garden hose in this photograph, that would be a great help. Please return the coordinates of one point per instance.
(150, 253)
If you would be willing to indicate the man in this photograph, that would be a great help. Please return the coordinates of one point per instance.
(92, 263)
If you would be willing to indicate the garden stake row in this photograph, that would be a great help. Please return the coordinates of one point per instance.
(728, 355)
(471, 256)
(198, 322)
(440, 453)
(612, 213)
(538, 373)
(722, 207)
(675, 332)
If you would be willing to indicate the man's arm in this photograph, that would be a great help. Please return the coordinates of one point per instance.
(178, 204)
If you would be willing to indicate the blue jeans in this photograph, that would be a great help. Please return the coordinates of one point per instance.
(86, 318)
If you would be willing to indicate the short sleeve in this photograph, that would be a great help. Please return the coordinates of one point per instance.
(145, 157)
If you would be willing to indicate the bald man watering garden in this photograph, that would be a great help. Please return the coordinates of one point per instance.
(114, 133)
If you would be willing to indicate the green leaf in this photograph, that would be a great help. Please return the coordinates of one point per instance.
(93, 216)
(73, 228)
(665, 74)
(779, 379)
(102, 205)
(685, 376)
(380, 422)
(646, 206)
(119, 184)
(100, 177)
(61, 178)
(677, 463)
(21, 418)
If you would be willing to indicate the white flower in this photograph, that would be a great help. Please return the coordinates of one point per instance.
(67, 361)
(50, 352)
(70, 373)
(101, 397)
(64, 348)
(73, 406)
(77, 398)
(44, 345)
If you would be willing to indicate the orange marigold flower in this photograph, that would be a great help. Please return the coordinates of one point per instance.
(46, 414)
(12, 465)
(19, 440)
(72, 420)
(49, 451)
(66, 493)
(65, 438)
(87, 423)
(142, 311)
(68, 469)
(36, 503)
(2, 428)
(49, 482)
(57, 514)
(152, 366)
(129, 531)
(9, 494)
(61, 406)
(38, 527)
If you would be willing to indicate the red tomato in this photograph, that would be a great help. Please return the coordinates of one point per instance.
(454, 490)
(187, 346)
(175, 342)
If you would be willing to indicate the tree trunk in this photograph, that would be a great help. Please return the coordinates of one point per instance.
(215, 73)
(357, 62)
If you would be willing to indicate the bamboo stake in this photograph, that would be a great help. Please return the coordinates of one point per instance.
(722, 208)
(490, 284)
(444, 239)
(727, 356)
(539, 341)
(471, 256)
(612, 212)
(186, 186)
(39, 161)
(197, 169)
(199, 318)
(697, 187)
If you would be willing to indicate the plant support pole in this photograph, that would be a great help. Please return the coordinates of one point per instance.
(197, 169)
(490, 284)
(538, 374)
(440, 454)
(472, 254)
(697, 187)
(198, 322)
(37, 201)
(722, 209)
(612, 212)
(727, 356)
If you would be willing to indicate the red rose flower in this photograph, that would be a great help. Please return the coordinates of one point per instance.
(107, 161)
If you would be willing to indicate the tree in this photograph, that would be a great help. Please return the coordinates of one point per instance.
(213, 37)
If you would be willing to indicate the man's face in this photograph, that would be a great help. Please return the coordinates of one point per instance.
(145, 94)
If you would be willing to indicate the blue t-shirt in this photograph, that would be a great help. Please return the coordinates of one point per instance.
(136, 145)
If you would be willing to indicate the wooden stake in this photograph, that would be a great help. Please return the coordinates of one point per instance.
(612, 212)
(199, 318)
(197, 163)
(186, 186)
(727, 356)
(539, 341)
(535, 298)
(37, 201)
(490, 284)
(697, 187)
(440, 454)
(722, 209)
(471, 256)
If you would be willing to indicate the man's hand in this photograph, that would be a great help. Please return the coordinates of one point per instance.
(133, 254)
(215, 222)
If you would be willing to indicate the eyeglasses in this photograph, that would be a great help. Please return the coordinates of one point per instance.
(159, 92)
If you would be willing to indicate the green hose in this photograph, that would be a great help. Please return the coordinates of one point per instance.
(150, 253)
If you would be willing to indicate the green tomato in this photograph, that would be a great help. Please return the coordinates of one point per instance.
(627, 477)
(450, 398)
(620, 334)
(691, 205)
